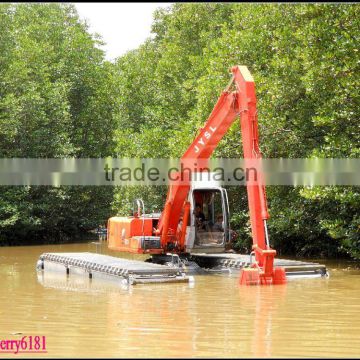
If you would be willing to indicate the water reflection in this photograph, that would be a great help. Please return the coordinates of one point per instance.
(214, 318)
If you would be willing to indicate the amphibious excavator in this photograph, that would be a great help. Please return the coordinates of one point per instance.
(194, 225)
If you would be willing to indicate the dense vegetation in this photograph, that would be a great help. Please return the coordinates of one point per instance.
(59, 97)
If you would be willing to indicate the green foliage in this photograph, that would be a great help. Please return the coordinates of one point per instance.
(305, 62)
(153, 196)
(57, 99)
(338, 214)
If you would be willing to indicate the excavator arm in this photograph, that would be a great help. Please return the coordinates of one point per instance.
(232, 103)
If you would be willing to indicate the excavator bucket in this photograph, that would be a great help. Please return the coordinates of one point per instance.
(279, 276)
(255, 276)
(249, 276)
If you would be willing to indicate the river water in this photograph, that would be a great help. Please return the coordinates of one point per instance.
(213, 317)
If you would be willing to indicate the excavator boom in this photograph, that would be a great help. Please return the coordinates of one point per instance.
(168, 232)
(240, 102)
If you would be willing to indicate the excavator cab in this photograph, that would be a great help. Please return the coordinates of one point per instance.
(208, 227)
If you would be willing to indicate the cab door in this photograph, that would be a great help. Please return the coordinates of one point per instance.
(210, 220)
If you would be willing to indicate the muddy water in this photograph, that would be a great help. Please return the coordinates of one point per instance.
(213, 318)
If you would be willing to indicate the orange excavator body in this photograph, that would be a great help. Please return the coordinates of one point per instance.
(241, 101)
